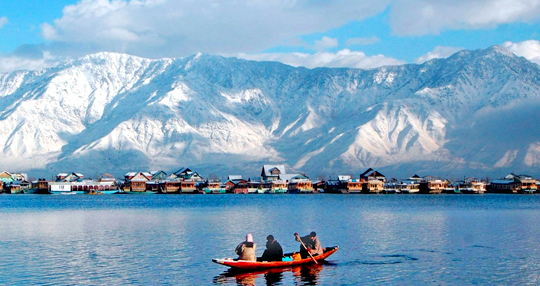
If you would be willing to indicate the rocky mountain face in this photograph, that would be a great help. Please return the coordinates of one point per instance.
(472, 114)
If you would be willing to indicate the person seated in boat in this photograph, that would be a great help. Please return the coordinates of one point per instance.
(312, 244)
(246, 249)
(273, 251)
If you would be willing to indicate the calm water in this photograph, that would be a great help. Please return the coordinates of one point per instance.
(170, 239)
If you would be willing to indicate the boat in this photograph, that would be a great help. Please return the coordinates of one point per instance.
(110, 192)
(255, 265)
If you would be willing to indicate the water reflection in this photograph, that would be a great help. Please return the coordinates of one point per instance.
(299, 275)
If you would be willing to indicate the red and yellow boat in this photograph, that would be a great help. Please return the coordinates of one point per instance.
(253, 265)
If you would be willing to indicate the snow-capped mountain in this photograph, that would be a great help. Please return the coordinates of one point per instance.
(474, 113)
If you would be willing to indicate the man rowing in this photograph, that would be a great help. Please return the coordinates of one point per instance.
(311, 243)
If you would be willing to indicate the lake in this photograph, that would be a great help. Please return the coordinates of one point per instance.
(171, 239)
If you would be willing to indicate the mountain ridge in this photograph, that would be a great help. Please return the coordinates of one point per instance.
(114, 113)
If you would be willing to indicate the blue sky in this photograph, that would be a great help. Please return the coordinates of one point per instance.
(311, 33)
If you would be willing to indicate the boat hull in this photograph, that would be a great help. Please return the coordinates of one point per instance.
(253, 265)
(109, 192)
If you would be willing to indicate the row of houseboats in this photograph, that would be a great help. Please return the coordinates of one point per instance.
(274, 180)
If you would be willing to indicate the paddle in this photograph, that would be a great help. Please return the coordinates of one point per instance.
(300, 239)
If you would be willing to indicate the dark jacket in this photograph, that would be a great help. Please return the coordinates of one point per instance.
(273, 251)
(313, 245)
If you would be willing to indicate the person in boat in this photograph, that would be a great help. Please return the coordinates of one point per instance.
(312, 244)
(246, 249)
(273, 251)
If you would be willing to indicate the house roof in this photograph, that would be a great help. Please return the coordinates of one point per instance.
(502, 182)
(182, 171)
(344, 177)
(267, 170)
(291, 177)
(367, 171)
(371, 173)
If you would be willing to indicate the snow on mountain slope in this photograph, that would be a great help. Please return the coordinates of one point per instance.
(473, 113)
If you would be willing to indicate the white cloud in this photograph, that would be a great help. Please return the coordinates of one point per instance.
(343, 58)
(173, 28)
(12, 63)
(326, 43)
(528, 49)
(421, 17)
(3, 21)
(363, 41)
(437, 53)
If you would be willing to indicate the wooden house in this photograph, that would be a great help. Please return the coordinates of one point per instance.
(169, 186)
(240, 187)
(69, 177)
(408, 187)
(41, 186)
(512, 183)
(232, 180)
(372, 175)
(372, 187)
(527, 185)
(298, 183)
(272, 172)
(153, 186)
(188, 187)
(433, 185)
(187, 174)
(391, 186)
(14, 188)
(136, 181)
(159, 175)
(6, 178)
(471, 186)
(348, 185)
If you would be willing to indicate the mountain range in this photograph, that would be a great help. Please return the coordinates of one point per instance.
(474, 113)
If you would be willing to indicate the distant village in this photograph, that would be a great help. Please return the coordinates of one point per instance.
(274, 180)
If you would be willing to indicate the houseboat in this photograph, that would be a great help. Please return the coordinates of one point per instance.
(471, 186)
(372, 182)
(514, 184)
(213, 187)
(390, 187)
(332, 187)
(408, 187)
(188, 187)
(433, 186)
(135, 183)
(240, 187)
(372, 187)
(347, 185)
(255, 187)
(169, 186)
(298, 184)
(275, 187)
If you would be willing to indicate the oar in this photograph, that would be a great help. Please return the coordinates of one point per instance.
(300, 239)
